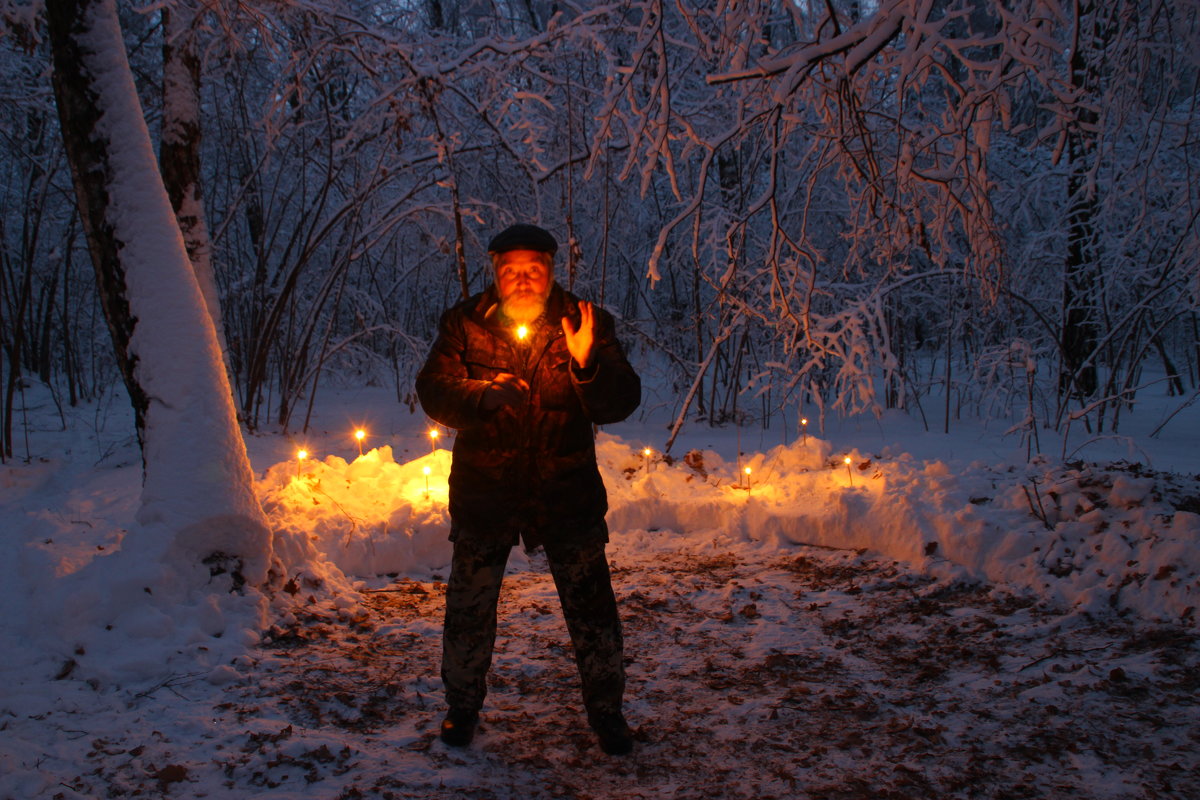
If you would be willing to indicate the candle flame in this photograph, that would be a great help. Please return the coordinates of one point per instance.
(433, 433)
(360, 434)
(804, 421)
(302, 454)
(427, 471)
(746, 470)
(846, 461)
(647, 452)
(522, 331)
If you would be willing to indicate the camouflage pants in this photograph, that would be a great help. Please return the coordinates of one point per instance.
(585, 591)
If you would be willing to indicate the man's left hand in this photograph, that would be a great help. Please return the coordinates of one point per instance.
(579, 341)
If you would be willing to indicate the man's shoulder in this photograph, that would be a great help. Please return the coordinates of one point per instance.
(474, 307)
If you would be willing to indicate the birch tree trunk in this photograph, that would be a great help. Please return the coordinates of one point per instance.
(179, 151)
(79, 114)
(197, 499)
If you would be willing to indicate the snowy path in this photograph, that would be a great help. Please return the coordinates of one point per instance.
(819, 673)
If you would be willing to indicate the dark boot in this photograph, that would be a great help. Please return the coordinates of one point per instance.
(458, 728)
(612, 731)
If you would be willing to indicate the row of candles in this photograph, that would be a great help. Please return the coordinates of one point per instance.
(647, 453)
(359, 436)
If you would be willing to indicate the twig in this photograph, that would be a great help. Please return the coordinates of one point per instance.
(1065, 652)
(1186, 403)
(170, 683)
(1040, 511)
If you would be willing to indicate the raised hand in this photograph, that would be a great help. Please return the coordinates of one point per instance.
(580, 341)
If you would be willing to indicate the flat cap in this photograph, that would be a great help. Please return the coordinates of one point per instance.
(523, 237)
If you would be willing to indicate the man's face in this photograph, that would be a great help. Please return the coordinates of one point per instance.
(523, 279)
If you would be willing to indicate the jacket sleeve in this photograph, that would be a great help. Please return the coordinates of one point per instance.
(608, 388)
(447, 394)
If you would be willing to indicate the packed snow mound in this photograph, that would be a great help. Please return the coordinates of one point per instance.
(105, 593)
(1083, 536)
(370, 516)
(127, 611)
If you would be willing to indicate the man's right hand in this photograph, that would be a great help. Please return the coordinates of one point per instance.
(506, 390)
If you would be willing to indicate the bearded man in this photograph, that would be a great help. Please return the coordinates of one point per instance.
(523, 371)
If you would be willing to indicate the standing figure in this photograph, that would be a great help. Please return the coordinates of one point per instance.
(523, 371)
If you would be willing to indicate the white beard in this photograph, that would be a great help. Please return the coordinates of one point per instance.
(523, 307)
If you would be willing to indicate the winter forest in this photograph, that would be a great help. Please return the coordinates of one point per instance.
(820, 205)
(219, 216)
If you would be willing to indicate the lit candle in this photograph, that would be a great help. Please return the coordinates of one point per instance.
(646, 454)
(433, 437)
(804, 431)
(427, 470)
(300, 456)
(522, 332)
(849, 474)
(747, 471)
(360, 434)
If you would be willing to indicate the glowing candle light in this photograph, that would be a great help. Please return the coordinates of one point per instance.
(360, 434)
(522, 332)
(433, 437)
(300, 456)
(804, 431)
(427, 470)
(646, 455)
(849, 474)
(747, 471)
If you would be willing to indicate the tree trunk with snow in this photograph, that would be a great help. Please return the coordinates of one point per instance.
(79, 114)
(179, 150)
(198, 500)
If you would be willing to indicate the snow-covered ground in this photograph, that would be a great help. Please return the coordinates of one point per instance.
(940, 617)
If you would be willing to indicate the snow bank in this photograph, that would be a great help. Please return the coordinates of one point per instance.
(102, 597)
(123, 610)
(134, 610)
(1083, 537)
(370, 516)
(94, 591)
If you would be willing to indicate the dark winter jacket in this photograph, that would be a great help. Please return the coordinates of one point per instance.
(528, 473)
